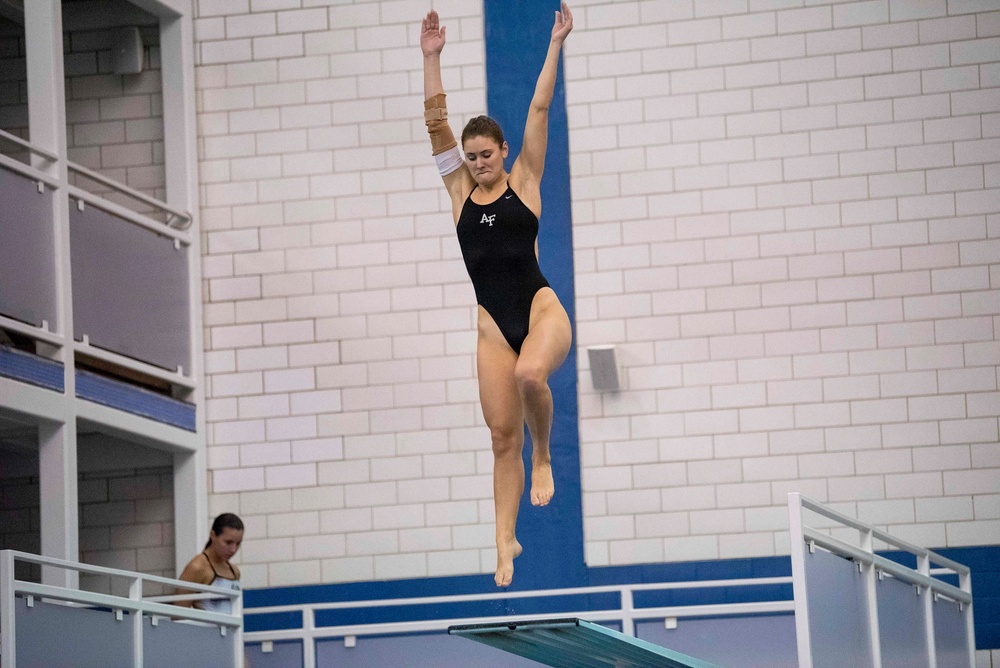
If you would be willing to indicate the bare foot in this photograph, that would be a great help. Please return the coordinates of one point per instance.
(507, 552)
(542, 484)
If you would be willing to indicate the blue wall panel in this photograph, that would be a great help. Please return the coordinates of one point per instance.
(517, 34)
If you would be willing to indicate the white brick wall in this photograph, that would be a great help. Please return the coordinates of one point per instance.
(786, 218)
(338, 315)
(126, 521)
(837, 303)
(114, 123)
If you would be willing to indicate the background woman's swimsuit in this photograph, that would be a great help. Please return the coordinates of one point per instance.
(222, 605)
(498, 245)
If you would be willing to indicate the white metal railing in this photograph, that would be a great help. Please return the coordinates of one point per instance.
(176, 220)
(176, 378)
(172, 214)
(874, 566)
(37, 150)
(626, 614)
(11, 590)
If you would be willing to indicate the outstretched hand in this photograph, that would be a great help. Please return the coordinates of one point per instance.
(431, 34)
(563, 24)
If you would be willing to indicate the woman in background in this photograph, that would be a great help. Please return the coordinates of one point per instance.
(212, 566)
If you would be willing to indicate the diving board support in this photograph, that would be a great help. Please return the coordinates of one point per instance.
(575, 643)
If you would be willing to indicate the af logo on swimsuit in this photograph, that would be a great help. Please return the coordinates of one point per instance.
(488, 219)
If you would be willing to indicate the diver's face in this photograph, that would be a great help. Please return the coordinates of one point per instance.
(484, 158)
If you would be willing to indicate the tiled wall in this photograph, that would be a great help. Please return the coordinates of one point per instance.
(786, 217)
(13, 81)
(339, 321)
(126, 522)
(114, 123)
(19, 521)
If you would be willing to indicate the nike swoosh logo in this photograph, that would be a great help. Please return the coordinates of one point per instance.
(508, 196)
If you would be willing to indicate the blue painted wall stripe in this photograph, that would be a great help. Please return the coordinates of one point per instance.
(32, 369)
(517, 34)
(135, 400)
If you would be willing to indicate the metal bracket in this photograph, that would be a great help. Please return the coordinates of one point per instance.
(812, 546)
(881, 574)
(266, 646)
(80, 206)
(222, 631)
(154, 620)
(350, 641)
(30, 600)
(670, 623)
(41, 187)
(119, 615)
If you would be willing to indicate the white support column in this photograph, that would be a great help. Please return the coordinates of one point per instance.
(800, 594)
(47, 128)
(181, 171)
(924, 568)
(57, 477)
(190, 512)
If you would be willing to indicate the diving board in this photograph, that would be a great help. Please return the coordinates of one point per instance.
(575, 643)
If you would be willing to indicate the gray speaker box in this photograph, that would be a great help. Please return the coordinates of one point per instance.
(126, 46)
(604, 368)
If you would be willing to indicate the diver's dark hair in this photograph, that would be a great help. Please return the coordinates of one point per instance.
(223, 522)
(483, 126)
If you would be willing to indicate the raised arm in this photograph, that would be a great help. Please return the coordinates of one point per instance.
(536, 130)
(457, 179)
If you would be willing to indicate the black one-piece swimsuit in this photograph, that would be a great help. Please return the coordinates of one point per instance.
(498, 245)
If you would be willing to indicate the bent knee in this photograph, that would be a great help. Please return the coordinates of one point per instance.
(531, 378)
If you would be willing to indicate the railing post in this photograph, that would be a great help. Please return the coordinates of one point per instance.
(308, 640)
(628, 610)
(135, 593)
(965, 584)
(238, 631)
(924, 568)
(871, 598)
(7, 601)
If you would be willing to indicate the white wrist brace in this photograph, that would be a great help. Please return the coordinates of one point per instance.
(449, 161)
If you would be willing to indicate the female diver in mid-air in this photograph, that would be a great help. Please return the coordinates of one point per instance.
(524, 332)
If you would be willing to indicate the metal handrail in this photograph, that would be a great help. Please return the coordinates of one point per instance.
(873, 567)
(173, 377)
(31, 331)
(627, 614)
(11, 587)
(897, 570)
(28, 171)
(847, 520)
(99, 202)
(537, 593)
(38, 150)
(133, 193)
